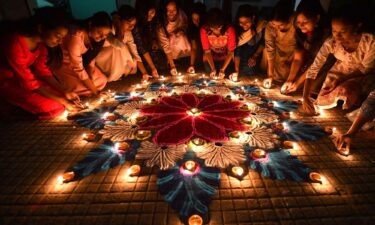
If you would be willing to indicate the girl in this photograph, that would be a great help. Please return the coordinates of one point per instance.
(78, 72)
(250, 43)
(25, 79)
(311, 32)
(218, 42)
(352, 74)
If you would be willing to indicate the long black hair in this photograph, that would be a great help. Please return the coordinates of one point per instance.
(283, 11)
(99, 19)
(216, 18)
(350, 15)
(45, 19)
(247, 11)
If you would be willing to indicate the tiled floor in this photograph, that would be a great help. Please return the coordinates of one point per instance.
(33, 153)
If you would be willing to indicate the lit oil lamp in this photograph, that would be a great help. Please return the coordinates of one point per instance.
(258, 154)
(122, 147)
(234, 77)
(195, 220)
(109, 116)
(279, 126)
(134, 170)
(140, 119)
(138, 87)
(194, 112)
(344, 150)
(66, 177)
(142, 134)
(234, 134)
(330, 130)
(316, 177)
(238, 171)
(161, 77)
(198, 141)
(289, 144)
(247, 120)
(267, 85)
(87, 105)
(89, 136)
(190, 166)
(285, 115)
(245, 107)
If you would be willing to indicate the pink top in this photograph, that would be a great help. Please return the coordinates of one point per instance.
(17, 62)
(219, 45)
(73, 47)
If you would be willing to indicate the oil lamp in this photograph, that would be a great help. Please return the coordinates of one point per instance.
(134, 170)
(190, 166)
(238, 171)
(247, 120)
(316, 177)
(258, 154)
(89, 136)
(194, 112)
(66, 177)
(289, 144)
(198, 141)
(195, 220)
(109, 116)
(142, 134)
(141, 119)
(234, 134)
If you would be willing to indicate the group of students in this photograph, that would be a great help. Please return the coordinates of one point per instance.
(48, 61)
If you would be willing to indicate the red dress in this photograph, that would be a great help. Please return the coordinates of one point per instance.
(21, 72)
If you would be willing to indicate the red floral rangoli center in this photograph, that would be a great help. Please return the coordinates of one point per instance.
(177, 119)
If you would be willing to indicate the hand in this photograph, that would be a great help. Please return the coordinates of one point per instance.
(285, 87)
(69, 106)
(292, 88)
(252, 61)
(213, 74)
(221, 74)
(145, 77)
(191, 69)
(155, 73)
(173, 72)
(307, 108)
(342, 143)
(233, 77)
(267, 83)
(71, 96)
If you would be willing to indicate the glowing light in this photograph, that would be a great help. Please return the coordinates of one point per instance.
(197, 144)
(89, 137)
(190, 165)
(142, 134)
(316, 177)
(60, 180)
(87, 104)
(258, 153)
(138, 86)
(285, 125)
(195, 220)
(162, 77)
(65, 114)
(66, 177)
(109, 116)
(267, 85)
(194, 112)
(237, 170)
(134, 170)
